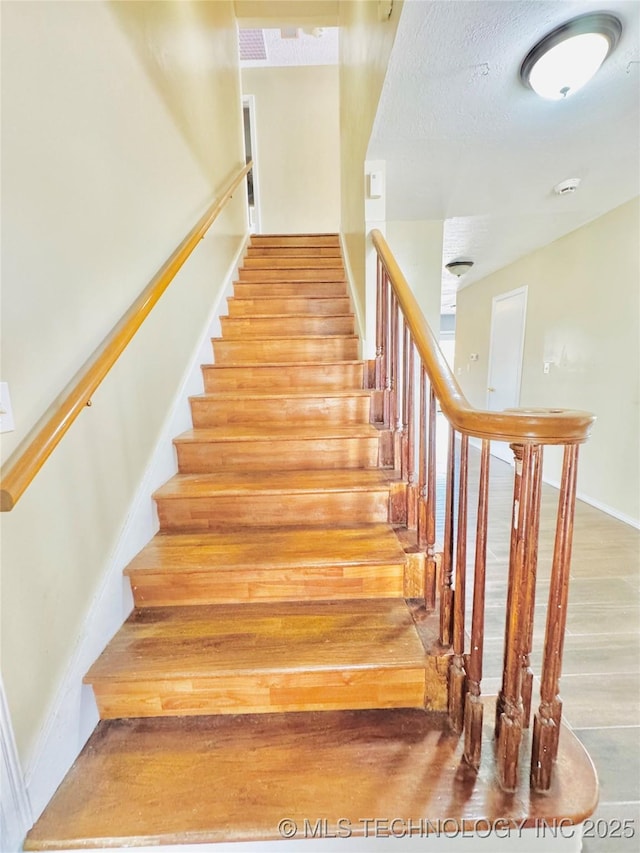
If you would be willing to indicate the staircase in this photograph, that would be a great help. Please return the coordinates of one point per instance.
(276, 582)
(281, 581)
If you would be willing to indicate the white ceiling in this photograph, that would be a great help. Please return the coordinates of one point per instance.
(467, 143)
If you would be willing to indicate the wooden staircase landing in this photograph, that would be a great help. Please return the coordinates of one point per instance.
(190, 780)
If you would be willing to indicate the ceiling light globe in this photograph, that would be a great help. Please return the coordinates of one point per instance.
(568, 66)
(562, 62)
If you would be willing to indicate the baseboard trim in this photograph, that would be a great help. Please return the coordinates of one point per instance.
(581, 496)
(73, 712)
(596, 504)
(15, 809)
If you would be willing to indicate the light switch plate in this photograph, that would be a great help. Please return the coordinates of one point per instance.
(6, 412)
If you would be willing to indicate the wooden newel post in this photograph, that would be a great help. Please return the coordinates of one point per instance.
(546, 727)
(510, 717)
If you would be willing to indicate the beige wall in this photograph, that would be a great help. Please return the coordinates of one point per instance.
(365, 47)
(583, 317)
(417, 247)
(298, 151)
(121, 122)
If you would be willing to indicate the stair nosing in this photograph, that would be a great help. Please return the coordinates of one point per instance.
(316, 432)
(251, 488)
(297, 392)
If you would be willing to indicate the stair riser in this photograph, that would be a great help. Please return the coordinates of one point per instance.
(307, 509)
(275, 262)
(304, 375)
(315, 275)
(317, 306)
(286, 349)
(294, 252)
(295, 241)
(264, 327)
(262, 694)
(305, 289)
(266, 455)
(330, 411)
(246, 584)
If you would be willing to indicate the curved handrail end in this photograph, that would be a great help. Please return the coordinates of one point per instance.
(7, 502)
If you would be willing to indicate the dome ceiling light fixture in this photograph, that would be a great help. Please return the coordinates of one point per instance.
(570, 55)
(458, 268)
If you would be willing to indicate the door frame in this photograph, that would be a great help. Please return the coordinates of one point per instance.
(500, 448)
(508, 295)
(249, 101)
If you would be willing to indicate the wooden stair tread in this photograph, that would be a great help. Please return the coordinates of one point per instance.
(251, 638)
(291, 262)
(312, 338)
(254, 251)
(214, 779)
(275, 432)
(272, 482)
(285, 365)
(270, 548)
(295, 391)
(291, 316)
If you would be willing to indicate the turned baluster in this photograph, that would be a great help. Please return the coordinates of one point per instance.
(430, 519)
(395, 423)
(412, 491)
(384, 363)
(457, 673)
(546, 726)
(509, 709)
(379, 326)
(422, 461)
(446, 592)
(403, 422)
(529, 588)
(473, 711)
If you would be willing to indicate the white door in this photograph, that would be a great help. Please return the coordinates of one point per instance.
(506, 349)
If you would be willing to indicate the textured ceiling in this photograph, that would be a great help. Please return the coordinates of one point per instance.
(466, 142)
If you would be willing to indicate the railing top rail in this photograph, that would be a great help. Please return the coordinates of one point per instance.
(522, 426)
(34, 450)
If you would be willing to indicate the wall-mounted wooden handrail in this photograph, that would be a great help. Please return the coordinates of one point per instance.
(523, 426)
(31, 454)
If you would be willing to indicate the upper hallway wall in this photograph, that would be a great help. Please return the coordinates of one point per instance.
(269, 13)
(365, 47)
(121, 124)
(298, 147)
(583, 317)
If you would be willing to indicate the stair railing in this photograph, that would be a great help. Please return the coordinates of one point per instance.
(28, 458)
(407, 353)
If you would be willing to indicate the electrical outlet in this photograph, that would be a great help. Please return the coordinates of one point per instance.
(6, 412)
(547, 367)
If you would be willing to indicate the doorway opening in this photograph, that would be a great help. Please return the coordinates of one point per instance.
(506, 352)
(251, 153)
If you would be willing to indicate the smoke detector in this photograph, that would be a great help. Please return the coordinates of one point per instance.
(567, 187)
